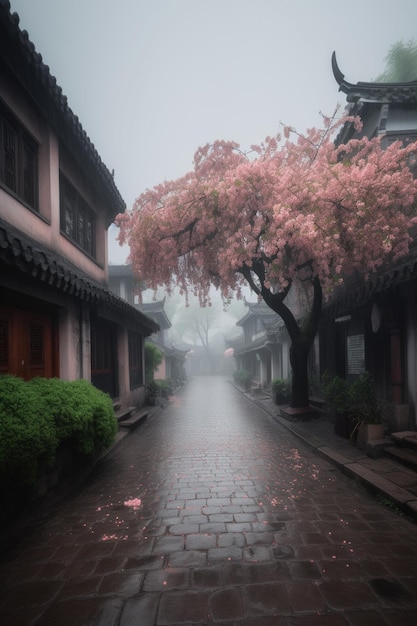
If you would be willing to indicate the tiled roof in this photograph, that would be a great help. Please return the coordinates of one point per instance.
(257, 309)
(376, 92)
(19, 251)
(156, 311)
(357, 292)
(120, 271)
(18, 54)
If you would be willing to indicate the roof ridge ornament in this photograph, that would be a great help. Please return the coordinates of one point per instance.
(339, 76)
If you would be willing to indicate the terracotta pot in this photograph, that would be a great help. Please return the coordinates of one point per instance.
(281, 398)
(369, 432)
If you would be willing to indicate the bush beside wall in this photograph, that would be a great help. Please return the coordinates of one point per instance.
(40, 418)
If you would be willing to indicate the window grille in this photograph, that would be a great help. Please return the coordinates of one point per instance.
(18, 160)
(77, 219)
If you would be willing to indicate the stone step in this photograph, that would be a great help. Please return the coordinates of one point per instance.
(124, 414)
(134, 419)
(406, 439)
(405, 456)
(302, 414)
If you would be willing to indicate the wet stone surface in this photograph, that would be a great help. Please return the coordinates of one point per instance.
(211, 513)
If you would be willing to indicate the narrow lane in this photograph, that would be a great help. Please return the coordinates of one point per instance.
(211, 513)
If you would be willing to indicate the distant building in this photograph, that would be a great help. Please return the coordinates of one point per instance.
(263, 348)
(123, 283)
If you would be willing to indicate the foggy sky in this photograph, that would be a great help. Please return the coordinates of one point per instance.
(151, 80)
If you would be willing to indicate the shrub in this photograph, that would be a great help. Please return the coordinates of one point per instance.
(89, 412)
(35, 417)
(336, 394)
(281, 386)
(364, 401)
(356, 399)
(153, 359)
(159, 388)
(28, 437)
(165, 387)
(242, 378)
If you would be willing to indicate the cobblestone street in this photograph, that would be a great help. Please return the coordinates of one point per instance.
(212, 513)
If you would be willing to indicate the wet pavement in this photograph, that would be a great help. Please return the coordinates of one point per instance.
(392, 481)
(213, 512)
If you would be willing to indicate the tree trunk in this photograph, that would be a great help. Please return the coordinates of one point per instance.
(302, 339)
(299, 365)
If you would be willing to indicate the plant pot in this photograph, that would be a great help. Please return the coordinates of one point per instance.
(281, 398)
(369, 432)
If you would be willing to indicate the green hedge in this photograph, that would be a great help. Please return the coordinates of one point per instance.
(37, 416)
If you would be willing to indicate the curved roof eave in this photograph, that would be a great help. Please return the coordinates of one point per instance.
(33, 259)
(375, 92)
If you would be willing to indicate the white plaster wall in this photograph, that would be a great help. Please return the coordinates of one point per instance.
(69, 366)
(276, 361)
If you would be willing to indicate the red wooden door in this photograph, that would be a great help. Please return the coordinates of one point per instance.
(26, 344)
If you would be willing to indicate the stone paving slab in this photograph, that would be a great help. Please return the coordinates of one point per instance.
(380, 475)
(212, 513)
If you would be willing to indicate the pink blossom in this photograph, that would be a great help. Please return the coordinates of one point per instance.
(135, 503)
(303, 209)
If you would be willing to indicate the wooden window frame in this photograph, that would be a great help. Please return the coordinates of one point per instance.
(19, 165)
(77, 220)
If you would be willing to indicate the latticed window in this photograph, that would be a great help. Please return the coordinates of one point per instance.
(77, 219)
(18, 160)
(135, 359)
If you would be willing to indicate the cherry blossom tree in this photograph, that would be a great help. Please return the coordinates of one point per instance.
(294, 210)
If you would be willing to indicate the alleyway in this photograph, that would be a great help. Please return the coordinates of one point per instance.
(212, 513)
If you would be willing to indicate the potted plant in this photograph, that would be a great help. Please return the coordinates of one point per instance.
(242, 378)
(338, 404)
(281, 390)
(152, 393)
(366, 410)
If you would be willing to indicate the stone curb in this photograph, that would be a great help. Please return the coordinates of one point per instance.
(376, 484)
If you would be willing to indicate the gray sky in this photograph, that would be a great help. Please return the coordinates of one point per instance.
(152, 80)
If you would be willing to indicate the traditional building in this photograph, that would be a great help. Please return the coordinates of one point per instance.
(123, 283)
(372, 325)
(263, 348)
(172, 367)
(57, 200)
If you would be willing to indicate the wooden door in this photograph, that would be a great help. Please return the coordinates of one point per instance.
(26, 344)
